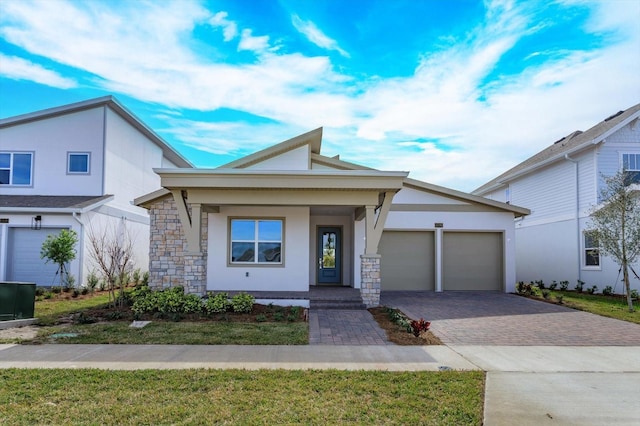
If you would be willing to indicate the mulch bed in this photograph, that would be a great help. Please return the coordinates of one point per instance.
(399, 335)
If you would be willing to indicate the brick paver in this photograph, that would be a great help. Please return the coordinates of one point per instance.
(344, 327)
(488, 318)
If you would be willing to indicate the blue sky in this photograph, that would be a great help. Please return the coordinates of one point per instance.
(454, 91)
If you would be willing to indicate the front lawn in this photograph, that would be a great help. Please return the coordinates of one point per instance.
(607, 306)
(240, 397)
(180, 333)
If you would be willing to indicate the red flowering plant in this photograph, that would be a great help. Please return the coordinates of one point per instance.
(420, 326)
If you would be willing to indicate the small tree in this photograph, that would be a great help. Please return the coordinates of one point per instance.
(111, 250)
(60, 249)
(615, 223)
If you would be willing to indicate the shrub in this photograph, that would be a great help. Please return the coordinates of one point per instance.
(261, 318)
(295, 310)
(56, 290)
(217, 303)
(145, 278)
(192, 304)
(242, 302)
(607, 291)
(524, 289)
(540, 284)
(278, 316)
(171, 300)
(398, 318)
(559, 298)
(553, 285)
(546, 294)
(83, 318)
(634, 294)
(75, 293)
(564, 285)
(291, 317)
(84, 291)
(136, 277)
(420, 326)
(48, 295)
(579, 286)
(39, 291)
(592, 290)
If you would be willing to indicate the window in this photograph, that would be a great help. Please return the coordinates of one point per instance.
(591, 250)
(256, 236)
(15, 168)
(631, 165)
(78, 162)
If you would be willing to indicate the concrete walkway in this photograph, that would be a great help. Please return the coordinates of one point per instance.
(135, 357)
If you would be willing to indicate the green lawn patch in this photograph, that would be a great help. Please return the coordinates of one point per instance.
(183, 333)
(240, 397)
(49, 310)
(607, 306)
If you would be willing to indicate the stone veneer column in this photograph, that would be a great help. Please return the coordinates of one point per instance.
(370, 279)
(170, 264)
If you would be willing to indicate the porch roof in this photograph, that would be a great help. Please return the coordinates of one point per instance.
(281, 179)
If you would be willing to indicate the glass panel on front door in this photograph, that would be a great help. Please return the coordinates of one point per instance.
(329, 250)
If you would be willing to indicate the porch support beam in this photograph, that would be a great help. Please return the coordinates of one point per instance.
(375, 224)
(190, 221)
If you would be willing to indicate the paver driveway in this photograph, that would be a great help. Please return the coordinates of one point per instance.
(491, 318)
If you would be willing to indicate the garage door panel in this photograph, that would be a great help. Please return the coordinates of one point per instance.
(24, 262)
(407, 260)
(472, 261)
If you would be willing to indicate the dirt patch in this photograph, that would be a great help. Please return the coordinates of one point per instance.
(19, 333)
(399, 335)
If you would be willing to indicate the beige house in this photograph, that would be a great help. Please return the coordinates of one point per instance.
(287, 218)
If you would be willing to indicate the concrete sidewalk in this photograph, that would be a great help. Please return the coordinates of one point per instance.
(133, 357)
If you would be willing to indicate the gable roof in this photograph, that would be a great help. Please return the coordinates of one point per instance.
(105, 101)
(312, 138)
(574, 142)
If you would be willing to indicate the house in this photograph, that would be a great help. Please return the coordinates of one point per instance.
(287, 218)
(77, 167)
(560, 185)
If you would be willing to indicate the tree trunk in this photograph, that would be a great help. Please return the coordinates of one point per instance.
(627, 286)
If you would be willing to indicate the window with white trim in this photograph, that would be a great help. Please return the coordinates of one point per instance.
(78, 163)
(16, 168)
(631, 167)
(591, 250)
(256, 241)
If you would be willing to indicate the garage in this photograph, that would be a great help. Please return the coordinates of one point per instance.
(24, 262)
(407, 261)
(472, 261)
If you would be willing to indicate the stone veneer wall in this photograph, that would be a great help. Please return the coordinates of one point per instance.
(370, 279)
(170, 264)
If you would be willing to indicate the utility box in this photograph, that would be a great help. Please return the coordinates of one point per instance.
(17, 300)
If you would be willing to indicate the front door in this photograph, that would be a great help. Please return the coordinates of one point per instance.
(329, 255)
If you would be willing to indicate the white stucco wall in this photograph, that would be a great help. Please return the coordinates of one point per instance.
(50, 140)
(296, 159)
(292, 276)
(130, 159)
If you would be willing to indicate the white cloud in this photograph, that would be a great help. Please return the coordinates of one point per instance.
(316, 36)
(250, 42)
(480, 127)
(229, 28)
(20, 69)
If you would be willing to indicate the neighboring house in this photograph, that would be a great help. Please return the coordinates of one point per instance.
(286, 218)
(561, 185)
(76, 167)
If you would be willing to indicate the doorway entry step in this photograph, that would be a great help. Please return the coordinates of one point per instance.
(335, 297)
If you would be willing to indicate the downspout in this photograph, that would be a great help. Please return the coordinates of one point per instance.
(578, 239)
(81, 242)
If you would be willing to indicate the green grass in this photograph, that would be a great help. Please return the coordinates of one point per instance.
(606, 306)
(48, 310)
(184, 333)
(240, 397)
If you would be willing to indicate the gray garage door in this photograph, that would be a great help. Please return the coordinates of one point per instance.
(407, 261)
(472, 261)
(24, 263)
